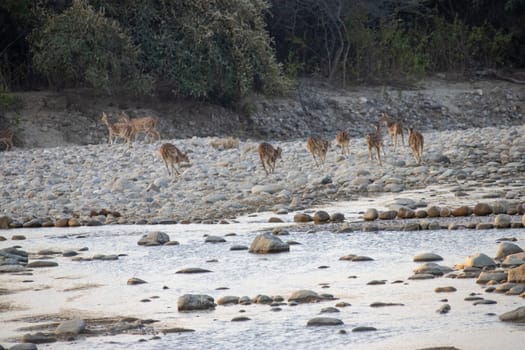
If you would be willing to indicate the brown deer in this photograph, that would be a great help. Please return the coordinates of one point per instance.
(317, 148)
(374, 140)
(394, 129)
(146, 125)
(269, 156)
(415, 139)
(342, 139)
(117, 130)
(6, 136)
(171, 156)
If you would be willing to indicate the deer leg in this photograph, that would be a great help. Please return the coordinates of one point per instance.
(264, 167)
(403, 137)
(379, 155)
(167, 168)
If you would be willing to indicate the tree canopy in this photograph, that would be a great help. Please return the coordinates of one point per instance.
(223, 50)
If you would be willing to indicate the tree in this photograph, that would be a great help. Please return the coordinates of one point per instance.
(81, 47)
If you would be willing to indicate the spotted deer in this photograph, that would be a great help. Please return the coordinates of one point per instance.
(317, 148)
(146, 125)
(394, 130)
(171, 156)
(117, 130)
(269, 155)
(6, 137)
(342, 139)
(374, 140)
(415, 140)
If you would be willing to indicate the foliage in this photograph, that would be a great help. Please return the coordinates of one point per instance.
(224, 50)
(81, 47)
(217, 50)
(9, 101)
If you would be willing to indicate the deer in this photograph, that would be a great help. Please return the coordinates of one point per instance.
(269, 155)
(342, 139)
(171, 156)
(117, 130)
(317, 148)
(394, 129)
(374, 140)
(6, 137)
(415, 140)
(146, 125)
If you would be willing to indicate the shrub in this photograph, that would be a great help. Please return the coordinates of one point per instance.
(81, 47)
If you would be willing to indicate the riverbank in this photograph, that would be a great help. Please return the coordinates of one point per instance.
(114, 184)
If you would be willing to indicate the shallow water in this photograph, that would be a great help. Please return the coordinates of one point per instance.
(416, 324)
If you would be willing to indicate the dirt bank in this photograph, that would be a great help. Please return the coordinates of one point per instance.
(50, 119)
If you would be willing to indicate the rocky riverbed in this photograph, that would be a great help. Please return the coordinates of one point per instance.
(106, 184)
(472, 176)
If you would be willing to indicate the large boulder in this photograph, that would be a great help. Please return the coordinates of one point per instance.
(516, 315)
(321, 216)
(517, 274)
(482, 209)
(304, 296)
(507, 248)
(370, 214)
(154, 238)
(192, 302)
(502, 221)
(479, 260)
(267, 243)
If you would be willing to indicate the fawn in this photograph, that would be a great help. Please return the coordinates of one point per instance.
(117, 130)
(318, 148)
(342, 139)
(146, 125)
(269, 156)
(6, 136)
(394, 129)
(171, 156)
(374, 140)
(415, 139)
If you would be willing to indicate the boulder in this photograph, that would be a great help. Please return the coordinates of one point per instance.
(406, 213)
(192, 302)
(488, 276)
(370, 214)
(321, 216)
(304, 296)
(479, 260)
(302, 217)
(433, 212)
(514, 260)
(517, 274)
(516, 315)
(505, 249)
(268, 243)
(482, 209)
(154, 238)
(461, 211)
(324, 321)
(427, 257)
(502, 221)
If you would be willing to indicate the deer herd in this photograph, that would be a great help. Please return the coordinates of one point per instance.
(127, 128)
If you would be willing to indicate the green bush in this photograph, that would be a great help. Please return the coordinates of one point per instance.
(213, 50)
(81, 47)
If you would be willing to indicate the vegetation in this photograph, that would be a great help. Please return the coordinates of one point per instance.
(223, 50)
